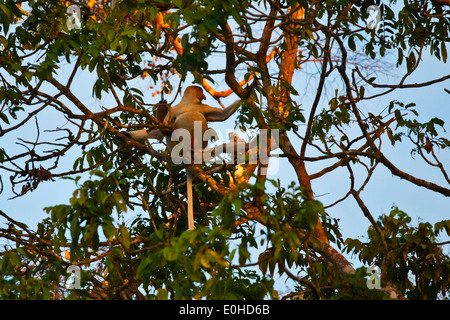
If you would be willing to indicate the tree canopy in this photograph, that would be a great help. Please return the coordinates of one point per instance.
(72, 76)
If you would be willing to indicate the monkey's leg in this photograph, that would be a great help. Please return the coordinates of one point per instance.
(190, 200)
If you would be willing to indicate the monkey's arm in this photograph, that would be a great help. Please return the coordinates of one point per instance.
(216, 114)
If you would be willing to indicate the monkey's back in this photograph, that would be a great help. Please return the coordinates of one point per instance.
(195, 123)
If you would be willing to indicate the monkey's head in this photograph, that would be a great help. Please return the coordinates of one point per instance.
(194, 94)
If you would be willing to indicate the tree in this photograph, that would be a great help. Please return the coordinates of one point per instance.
(250, 228)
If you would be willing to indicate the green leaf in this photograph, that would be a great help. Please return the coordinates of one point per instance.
(162, 294)
(4, 118)
(89, 231)
(124, 236)
(219, 259)
(410, 62)
(205, 261)
(444, 51)
(351, 43)
(390, 135)
(289, 87)
(311, 214)
(237, 17)
(154, 12)
(400, 56)
(263, 261)
(362, 90)
(441, 225)
(90, 159)
(92, 65)
(244, 254)
(237, 206)
(382, 51)
(399, 117)
(108, 229)
(178, 3)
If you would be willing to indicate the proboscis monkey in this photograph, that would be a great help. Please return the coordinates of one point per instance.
(191, 115)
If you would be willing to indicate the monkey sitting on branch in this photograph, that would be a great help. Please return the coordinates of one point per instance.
(188, 119)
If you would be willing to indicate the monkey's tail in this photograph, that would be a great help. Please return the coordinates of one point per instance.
(190, 201)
